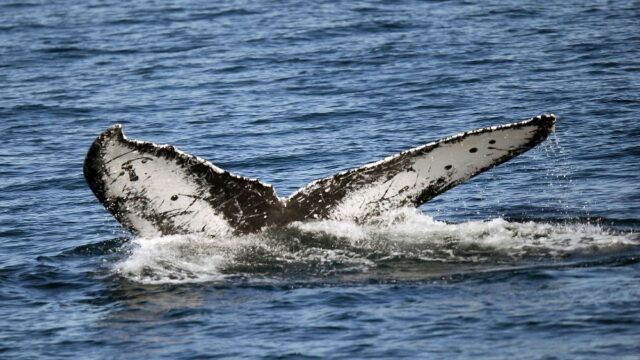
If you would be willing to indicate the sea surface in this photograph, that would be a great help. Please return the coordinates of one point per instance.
(536, 259)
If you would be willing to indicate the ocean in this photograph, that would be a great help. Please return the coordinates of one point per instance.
(538, 258)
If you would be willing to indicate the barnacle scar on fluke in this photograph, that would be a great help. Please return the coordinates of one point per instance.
(213, 200)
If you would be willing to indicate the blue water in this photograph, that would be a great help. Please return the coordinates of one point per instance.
(536, 259)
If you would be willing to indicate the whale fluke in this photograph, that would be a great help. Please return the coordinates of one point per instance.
(158, 190)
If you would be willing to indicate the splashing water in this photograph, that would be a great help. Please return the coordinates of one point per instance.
(383, 247)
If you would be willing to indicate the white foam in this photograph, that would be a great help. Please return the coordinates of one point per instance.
(329, 247)
(409, 226)
(178, 258)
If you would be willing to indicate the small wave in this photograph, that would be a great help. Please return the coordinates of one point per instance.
(340, 248)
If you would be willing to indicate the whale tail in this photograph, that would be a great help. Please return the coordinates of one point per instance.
(158, 190)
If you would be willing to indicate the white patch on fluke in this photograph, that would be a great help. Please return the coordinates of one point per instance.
(167, 189)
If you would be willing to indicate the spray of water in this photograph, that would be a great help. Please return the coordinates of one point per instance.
(326, 248)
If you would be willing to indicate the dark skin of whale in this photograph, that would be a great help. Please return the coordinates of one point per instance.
(157, 189)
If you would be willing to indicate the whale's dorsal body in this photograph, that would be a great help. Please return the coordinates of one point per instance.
(158, 190)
